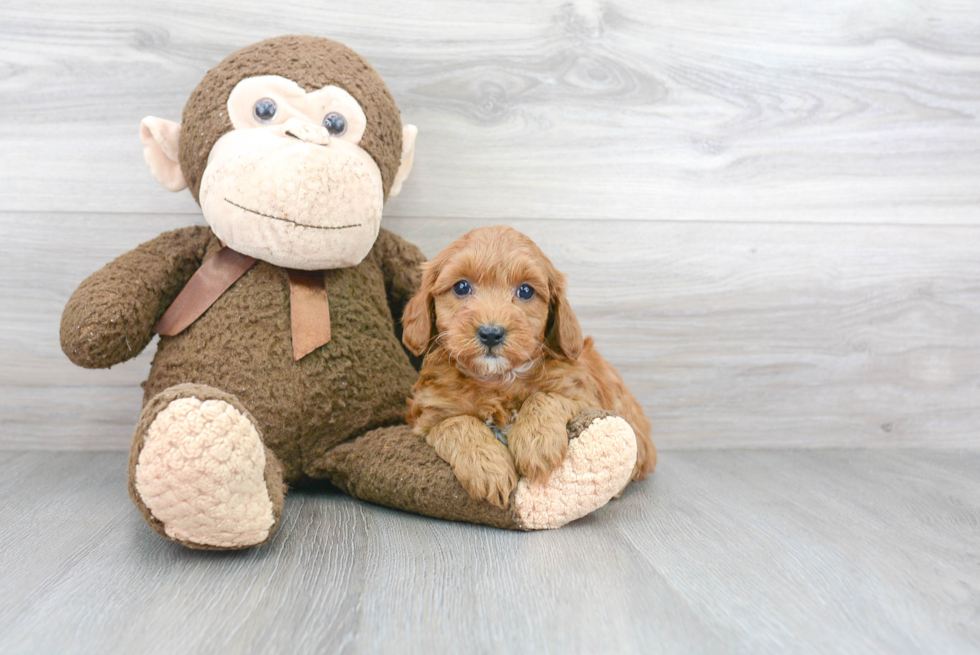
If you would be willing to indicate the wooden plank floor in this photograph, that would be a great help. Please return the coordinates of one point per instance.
(721, 551)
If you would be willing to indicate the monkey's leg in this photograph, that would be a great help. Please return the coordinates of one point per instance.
(199, 472)
(394, 467)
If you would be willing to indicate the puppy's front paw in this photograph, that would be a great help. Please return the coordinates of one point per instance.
(538, 447)
(487, 473)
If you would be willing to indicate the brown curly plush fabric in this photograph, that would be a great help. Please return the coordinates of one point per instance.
(584, 419)
(111, 315)
(313, 63)
(243, 344)
(393, 467)
(356, 382)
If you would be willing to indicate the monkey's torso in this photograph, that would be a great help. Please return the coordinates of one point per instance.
(242, 345)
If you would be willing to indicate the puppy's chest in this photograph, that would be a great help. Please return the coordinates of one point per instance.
(501, 414)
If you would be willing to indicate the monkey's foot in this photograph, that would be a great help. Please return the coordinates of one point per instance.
(600, 460)
(200, 473)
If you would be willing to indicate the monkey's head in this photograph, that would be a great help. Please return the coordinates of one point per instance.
(291, 147)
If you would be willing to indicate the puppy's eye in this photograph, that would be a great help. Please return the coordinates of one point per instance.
(525, 292)
(462, 288)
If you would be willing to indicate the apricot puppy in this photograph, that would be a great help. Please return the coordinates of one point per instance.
(506, 367)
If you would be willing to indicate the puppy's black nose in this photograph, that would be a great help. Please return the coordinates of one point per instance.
(491, 335)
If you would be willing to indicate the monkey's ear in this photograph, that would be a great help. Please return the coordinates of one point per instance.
(160, 138)
(409, 132)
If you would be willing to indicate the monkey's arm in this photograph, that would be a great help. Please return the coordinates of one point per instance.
(111, 315)
(400, 262)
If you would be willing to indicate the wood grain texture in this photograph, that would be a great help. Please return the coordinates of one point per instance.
(778, 201)
(719, 552)
(629, 109)
(747, 335)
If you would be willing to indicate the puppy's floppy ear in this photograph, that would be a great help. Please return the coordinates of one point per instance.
(563, 334)
(418, 319)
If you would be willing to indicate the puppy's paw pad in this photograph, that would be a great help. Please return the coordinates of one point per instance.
(487, 475)
(495, 488)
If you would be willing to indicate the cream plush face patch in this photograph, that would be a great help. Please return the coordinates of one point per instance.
(290, 185)
(292, 201)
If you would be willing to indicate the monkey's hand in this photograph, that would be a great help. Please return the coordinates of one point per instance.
(539, 436)
(111, 315)
(482, 464)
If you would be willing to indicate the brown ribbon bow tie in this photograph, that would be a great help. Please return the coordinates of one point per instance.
(309, 308)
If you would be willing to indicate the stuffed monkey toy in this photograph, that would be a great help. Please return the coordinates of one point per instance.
(279, 359)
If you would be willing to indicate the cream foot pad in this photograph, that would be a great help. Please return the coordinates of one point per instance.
(201, 474)
(597, 467)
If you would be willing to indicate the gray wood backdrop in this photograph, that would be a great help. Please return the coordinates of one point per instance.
(769, 210)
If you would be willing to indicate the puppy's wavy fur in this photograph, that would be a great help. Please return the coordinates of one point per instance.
(540, 375)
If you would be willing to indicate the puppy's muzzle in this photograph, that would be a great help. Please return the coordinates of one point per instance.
(491, 336)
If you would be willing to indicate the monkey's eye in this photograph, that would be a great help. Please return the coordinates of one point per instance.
(525, 292)
(265, 110)
(335, 123)
(462, 288)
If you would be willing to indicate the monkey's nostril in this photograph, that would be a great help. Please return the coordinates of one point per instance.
(317, 136)
(491, 335)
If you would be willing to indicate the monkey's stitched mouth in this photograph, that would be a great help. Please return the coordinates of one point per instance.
(286, 220)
